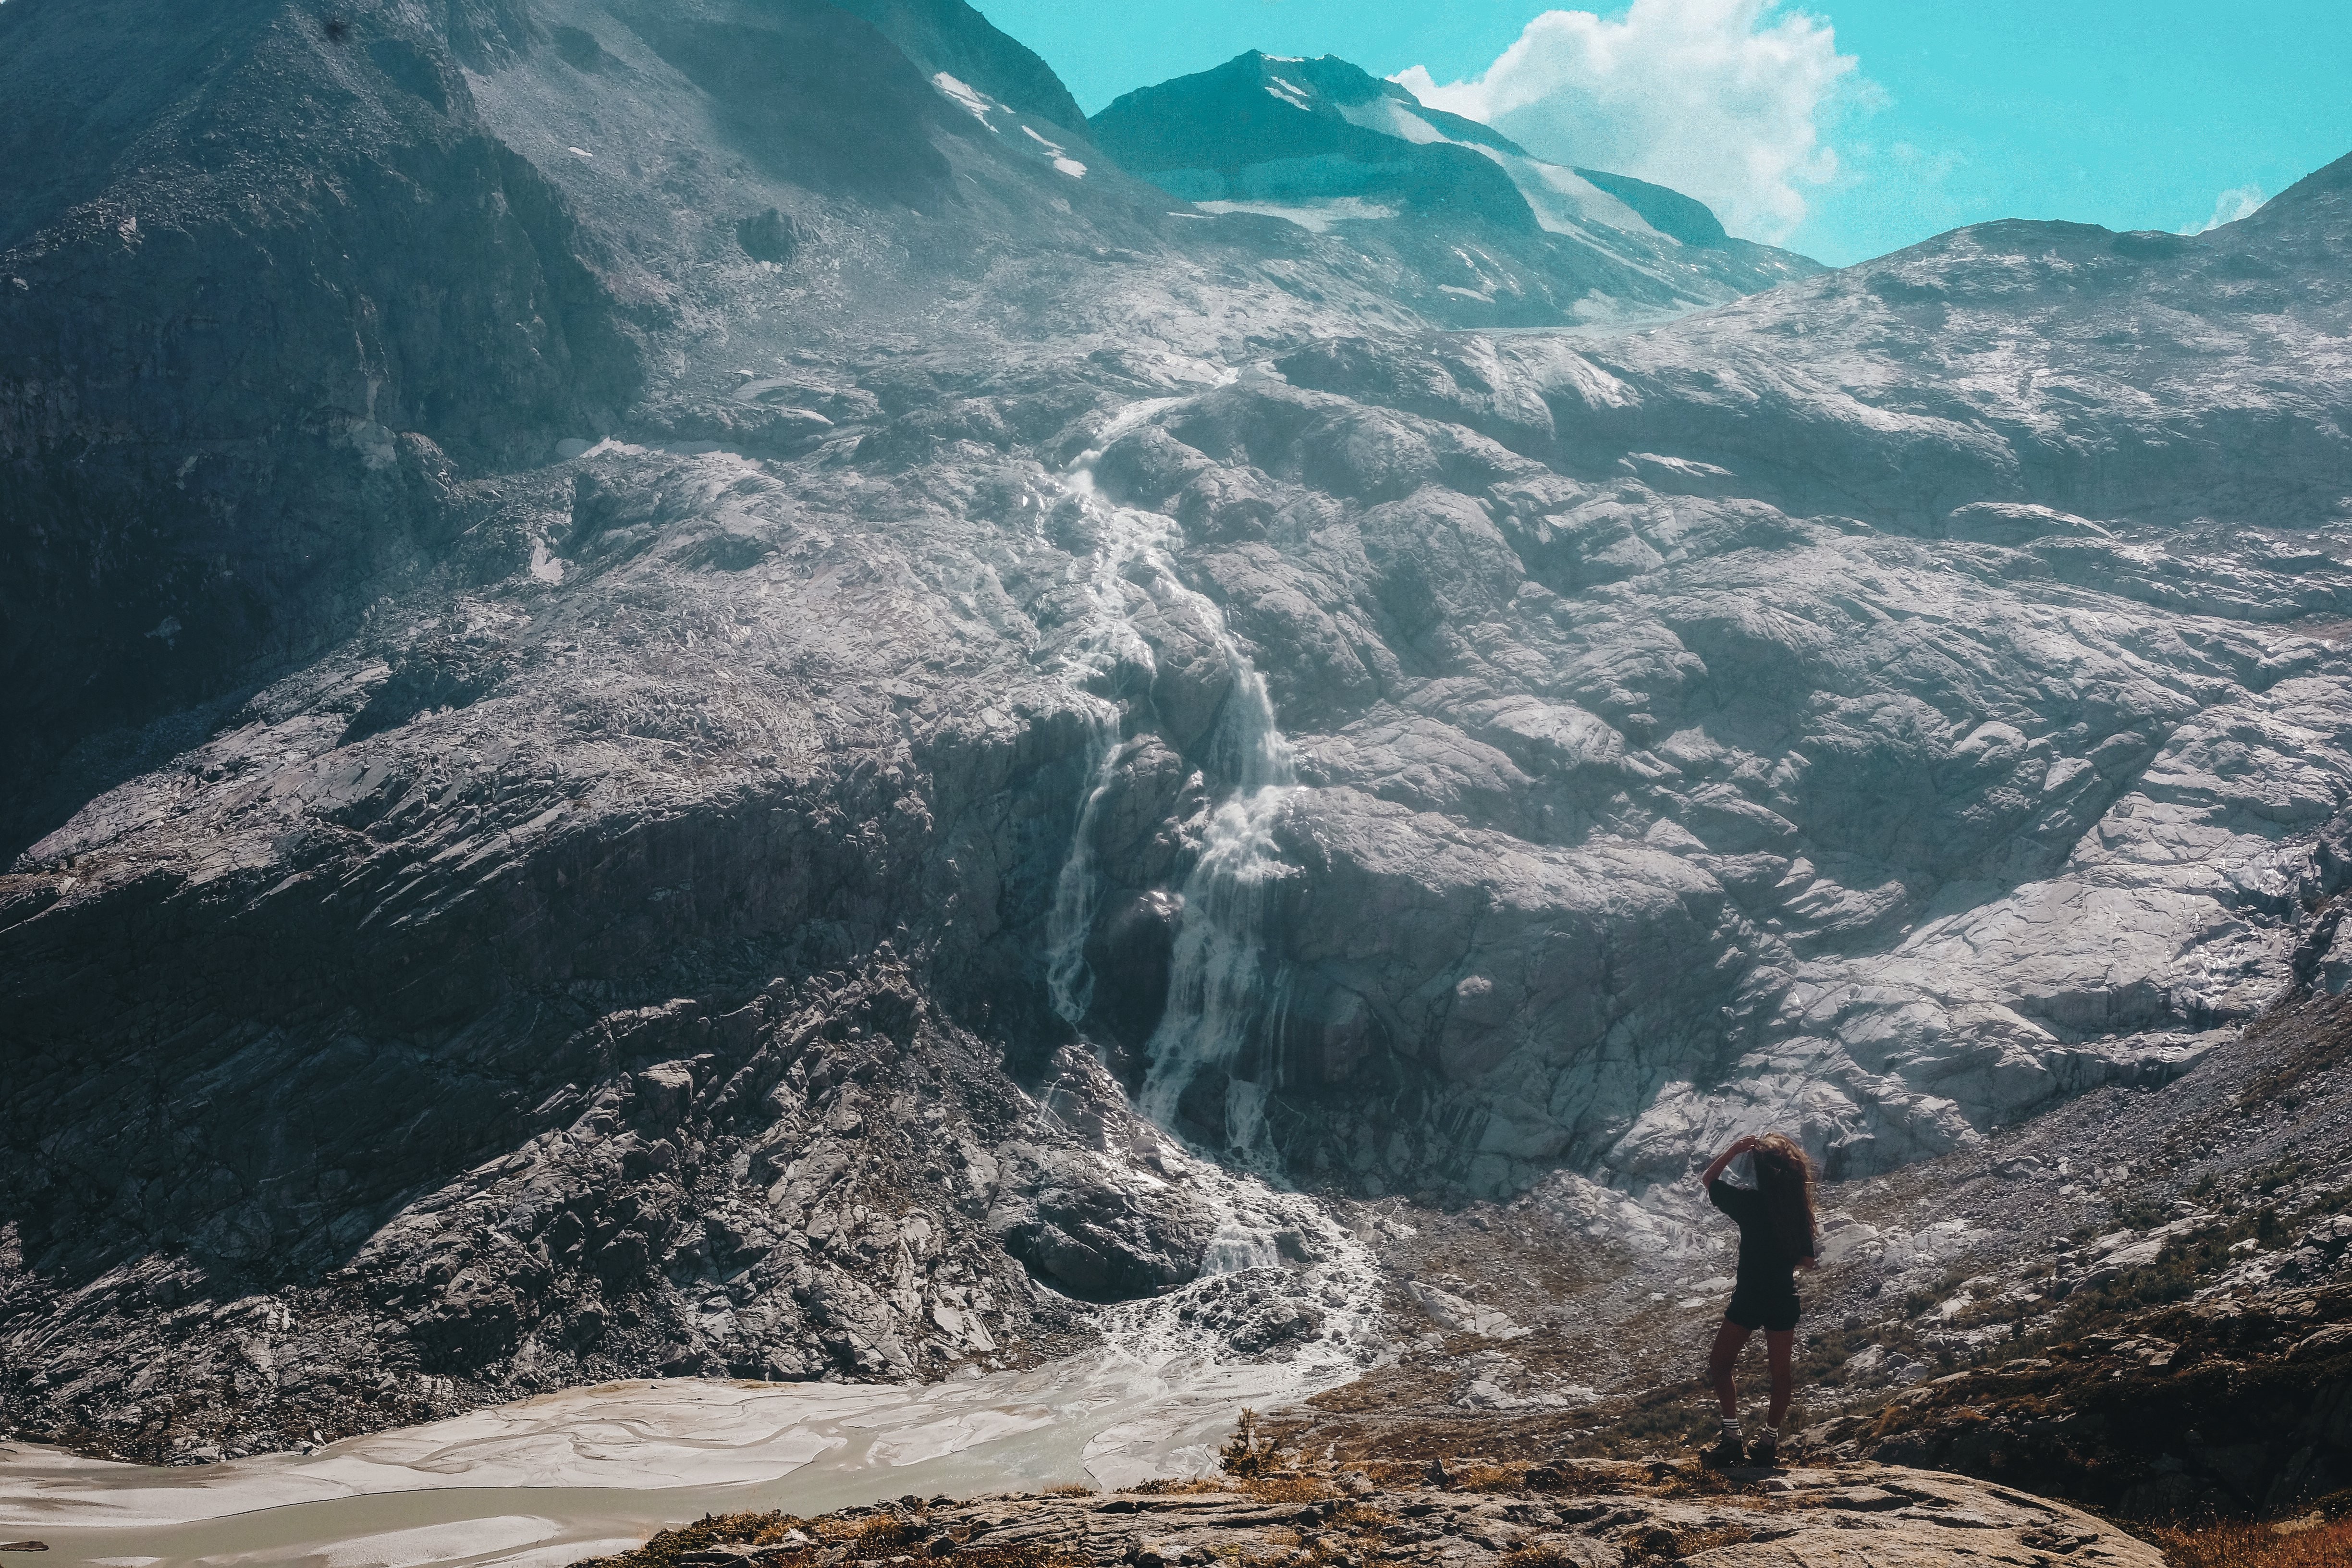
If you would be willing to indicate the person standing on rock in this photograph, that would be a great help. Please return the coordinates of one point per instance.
(1778, 1235)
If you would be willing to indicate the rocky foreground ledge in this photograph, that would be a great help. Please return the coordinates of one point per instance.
(1574, 1514)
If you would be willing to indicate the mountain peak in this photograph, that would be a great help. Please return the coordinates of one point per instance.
(949, 35)
(1323, 142)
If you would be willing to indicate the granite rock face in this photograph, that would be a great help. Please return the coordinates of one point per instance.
(640, 705)
(2264, 1383)
(1592, 1513)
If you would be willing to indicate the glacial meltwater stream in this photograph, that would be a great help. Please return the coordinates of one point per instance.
(569, 1474)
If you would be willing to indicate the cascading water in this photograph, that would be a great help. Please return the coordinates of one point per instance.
(1221, 991)
(1069, 981)
(1129, 542)
(1221, 987)
(1274, 1256)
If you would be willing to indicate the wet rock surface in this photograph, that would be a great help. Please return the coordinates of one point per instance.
(1593, 1513)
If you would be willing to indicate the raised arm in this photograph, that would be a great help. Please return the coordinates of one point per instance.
(1741, 1146)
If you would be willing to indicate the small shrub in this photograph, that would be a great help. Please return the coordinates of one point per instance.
(1248, 1452)
(885, 1535)
(2278, 1174)
(1989, 1310)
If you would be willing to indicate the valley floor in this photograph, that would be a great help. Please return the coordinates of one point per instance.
(2140, 1302)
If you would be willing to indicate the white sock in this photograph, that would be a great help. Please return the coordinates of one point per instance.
(1731, 1428)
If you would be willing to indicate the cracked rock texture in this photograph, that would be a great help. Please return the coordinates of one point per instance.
(1592, 1513)
(600, 596)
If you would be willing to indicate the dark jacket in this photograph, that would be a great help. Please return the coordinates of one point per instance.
(1763, 1262)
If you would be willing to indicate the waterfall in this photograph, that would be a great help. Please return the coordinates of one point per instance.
(1269, 1250)
(1130, 542)
(1220, 986)
(1069, 983)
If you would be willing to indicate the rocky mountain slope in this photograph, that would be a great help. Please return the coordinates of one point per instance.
(1480, 234)
(658, 722)
(2133, 1302)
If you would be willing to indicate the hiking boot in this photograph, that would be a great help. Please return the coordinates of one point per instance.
(1730, 1451)
(1764, 1451)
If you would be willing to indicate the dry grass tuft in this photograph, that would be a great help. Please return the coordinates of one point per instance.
(1479, 1478)
(1654, 1544)
(1169, 1487)
(1020, 1557)
(1541, 1557)
(1289, 1487)
(1069, 1489)
(884, 1534)
(2238, 1544)
(1690, 1481)
(1390, 1473)
(1660, 1545)
(1691, 1543)
(864, 1539)
(665, 1549)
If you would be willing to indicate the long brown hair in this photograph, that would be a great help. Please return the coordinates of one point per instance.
(1785, 1177)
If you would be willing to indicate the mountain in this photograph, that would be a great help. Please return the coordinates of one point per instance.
(1329, 147)
(948, 35)
(688, 691)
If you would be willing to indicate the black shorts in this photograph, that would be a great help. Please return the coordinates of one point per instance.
(1763, 1306)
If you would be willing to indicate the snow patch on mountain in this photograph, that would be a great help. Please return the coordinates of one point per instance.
(968, 98)
(1316, 216)
(1563, 201)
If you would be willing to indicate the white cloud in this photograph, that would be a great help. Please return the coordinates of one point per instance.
(1722, 100)
(2229, 207)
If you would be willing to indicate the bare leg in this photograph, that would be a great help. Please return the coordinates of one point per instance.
(1780, 1346)
(1720, 1359)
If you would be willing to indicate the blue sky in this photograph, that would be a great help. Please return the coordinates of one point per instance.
(1844, 128)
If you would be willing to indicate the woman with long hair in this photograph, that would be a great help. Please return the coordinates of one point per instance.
(1778, 1235)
